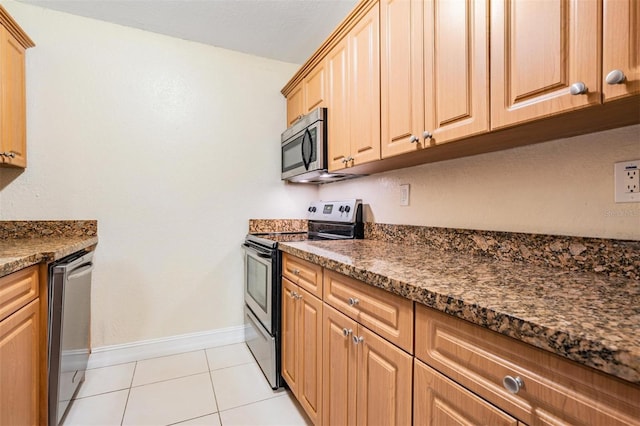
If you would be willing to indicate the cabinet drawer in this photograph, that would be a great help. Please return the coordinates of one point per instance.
(554, 390)
(437, 400)
(387, 314)
(18, 289)
(305, 274)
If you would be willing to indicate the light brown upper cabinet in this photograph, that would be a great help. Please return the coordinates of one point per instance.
(545, 58)
(295, 104)
(434, 72)
(620, 49)
(309, 94)
(353, 67)
(13, 104)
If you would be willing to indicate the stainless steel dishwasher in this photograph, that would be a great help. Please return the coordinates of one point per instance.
(69, 319)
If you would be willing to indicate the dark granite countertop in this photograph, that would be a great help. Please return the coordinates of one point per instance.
(25, 243)
(590, 318)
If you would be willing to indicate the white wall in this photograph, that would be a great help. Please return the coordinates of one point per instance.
(172, 146)
(563, 187)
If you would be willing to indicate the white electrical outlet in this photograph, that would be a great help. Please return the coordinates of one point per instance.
(404, 194)
(627, 181)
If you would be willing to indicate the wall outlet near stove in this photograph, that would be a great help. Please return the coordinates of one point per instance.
(404, 194)
(627, 181)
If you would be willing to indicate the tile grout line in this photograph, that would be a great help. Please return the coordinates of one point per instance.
(215, 399)
(128, 393)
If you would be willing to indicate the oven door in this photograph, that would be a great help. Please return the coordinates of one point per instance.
(258, 284)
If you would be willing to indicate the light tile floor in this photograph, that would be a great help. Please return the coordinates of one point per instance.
(218, 386)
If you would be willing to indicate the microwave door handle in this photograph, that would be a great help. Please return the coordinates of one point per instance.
(307, 137)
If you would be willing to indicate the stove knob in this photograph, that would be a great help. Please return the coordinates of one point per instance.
(310, 209)
(313, 209)
(347, 209)
(341, 209)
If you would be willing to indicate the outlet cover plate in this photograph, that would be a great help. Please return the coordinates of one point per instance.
(404, 194)
(627, 181)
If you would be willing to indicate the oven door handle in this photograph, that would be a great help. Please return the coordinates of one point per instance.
(258, 253)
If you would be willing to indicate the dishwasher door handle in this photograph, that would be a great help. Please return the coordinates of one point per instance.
(80, 271)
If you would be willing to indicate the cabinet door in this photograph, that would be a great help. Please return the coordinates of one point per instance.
(402, 82)
(310, 355)
(338, 112)
(621, 47)
(538, 50)
(384, 381)
(295, 105)
(437, 401)
(289, 334)
(19, 358)
(338, 368)
(364, 88)
(315, 88)
(456, 58)
(13, 110)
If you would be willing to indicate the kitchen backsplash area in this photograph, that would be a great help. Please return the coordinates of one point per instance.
(614, 258)
(16, 229)
(277, 225)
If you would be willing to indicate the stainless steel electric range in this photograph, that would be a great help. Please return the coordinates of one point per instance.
(328, 220)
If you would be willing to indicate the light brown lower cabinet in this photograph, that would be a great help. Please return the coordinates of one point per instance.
(532, 385)
(20, 348)
(302, 347)
(367, 380)
(439, 401)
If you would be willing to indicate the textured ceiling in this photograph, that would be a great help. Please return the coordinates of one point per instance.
(286, 30)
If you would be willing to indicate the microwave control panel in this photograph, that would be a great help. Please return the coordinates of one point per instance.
(334, 211)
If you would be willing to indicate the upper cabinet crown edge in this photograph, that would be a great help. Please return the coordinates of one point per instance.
(14, 29)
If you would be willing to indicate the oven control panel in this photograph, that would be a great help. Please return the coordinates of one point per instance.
(334, 211)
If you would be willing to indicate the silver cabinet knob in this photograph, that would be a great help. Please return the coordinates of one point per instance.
(357, 339)
(413, 139)
(10, 154)
(578, 88)
(296, 272)
(427, 134)
(346, 332)
(298, 296)
(293, 294)
(512, 384)
(353, 301)
(615, 77)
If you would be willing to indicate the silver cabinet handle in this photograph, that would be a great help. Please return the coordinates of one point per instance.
(615, 77)
(427, 134)
(357, 339)
(512, 384)
(346, 332)
(353, 301)
(578, 88)
(413, 139)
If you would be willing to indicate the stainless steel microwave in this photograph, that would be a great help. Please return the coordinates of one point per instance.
(304, 150)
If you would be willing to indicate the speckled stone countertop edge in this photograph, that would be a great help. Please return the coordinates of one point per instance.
(10, 264)
(486, 317)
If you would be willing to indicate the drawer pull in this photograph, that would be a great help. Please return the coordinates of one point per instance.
(357, 339)
(296, 272)
(513, 385)
(346, 332)
(353, 301)
(293, 294)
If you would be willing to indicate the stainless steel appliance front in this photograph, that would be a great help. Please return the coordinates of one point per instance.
(69, 316)
(258, 283)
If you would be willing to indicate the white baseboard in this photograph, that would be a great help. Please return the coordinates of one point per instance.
(135, 351)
